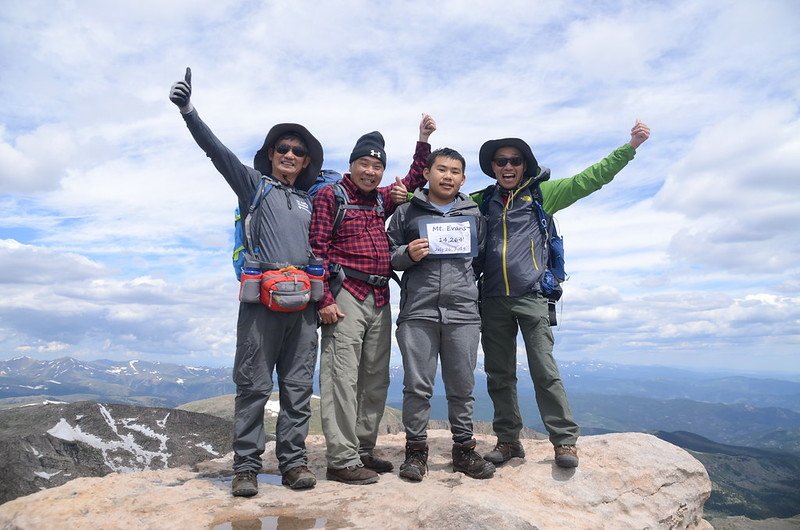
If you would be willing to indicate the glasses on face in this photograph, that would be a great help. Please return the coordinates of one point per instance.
(296, 149)
(515, 161)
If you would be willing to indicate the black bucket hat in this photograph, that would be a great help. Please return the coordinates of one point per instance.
(489, 148)
(306, 177)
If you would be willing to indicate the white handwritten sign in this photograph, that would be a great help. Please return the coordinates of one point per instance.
(450, 238)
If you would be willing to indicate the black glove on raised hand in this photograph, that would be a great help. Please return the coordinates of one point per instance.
(181, 93)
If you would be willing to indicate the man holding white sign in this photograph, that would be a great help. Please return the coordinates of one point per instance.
(436, 239)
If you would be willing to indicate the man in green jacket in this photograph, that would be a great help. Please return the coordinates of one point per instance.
(511, 296)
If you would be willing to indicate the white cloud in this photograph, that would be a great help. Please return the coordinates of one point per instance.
(115, 230)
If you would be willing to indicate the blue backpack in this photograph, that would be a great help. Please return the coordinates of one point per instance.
(326, 177)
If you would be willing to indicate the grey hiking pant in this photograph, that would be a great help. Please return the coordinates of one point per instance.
(354, 378)
(501, 317)
(422, 343)
(266, 341)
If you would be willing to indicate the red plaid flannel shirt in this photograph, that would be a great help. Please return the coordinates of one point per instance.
(360, 241)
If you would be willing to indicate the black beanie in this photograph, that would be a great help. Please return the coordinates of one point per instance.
(371, 144)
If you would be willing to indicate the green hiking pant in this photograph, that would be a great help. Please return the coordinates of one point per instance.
(501, 317)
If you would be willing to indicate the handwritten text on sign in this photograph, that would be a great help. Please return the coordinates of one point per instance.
(450, 238)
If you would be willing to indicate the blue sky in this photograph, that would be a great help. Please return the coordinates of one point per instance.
(115, 230)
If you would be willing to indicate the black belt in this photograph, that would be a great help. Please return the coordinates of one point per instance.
(371, 279)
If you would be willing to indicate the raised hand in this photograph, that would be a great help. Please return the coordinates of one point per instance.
(426, 127)
(639, 133)
(399, 192)
(181, 92)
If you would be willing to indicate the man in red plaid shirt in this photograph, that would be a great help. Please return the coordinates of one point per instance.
(357, 321)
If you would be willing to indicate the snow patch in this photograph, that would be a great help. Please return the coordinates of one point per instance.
(163, 423)
(207, 447)
(46, 476)
(117, 451)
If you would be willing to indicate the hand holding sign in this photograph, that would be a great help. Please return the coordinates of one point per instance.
(418, 249)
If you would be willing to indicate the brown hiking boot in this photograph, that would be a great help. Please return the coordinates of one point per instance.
(356, 475)
(376, 464)
(467, 460)
(245, 484)
(416, 463)
(505, 451)
(299, 478)
(566, 456)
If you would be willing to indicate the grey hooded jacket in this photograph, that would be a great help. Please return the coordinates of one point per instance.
(439, 290)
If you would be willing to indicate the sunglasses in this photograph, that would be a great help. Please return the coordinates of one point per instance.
(296, 149)
(514, 160)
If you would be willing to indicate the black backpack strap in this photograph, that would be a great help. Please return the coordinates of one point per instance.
(343, 204)
(340, 196)
(486, 196)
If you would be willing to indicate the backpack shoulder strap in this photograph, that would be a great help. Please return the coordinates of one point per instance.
(343, 204)
(544, 220)
(486, 196)
(340, 196)
(262, 190)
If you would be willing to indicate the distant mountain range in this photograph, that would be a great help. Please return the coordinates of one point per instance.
(134, 382)
(732, 409)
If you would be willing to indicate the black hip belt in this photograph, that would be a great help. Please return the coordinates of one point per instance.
(371, 279)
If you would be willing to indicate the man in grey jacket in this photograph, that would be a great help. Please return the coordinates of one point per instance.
(267, 340)
(435, 239)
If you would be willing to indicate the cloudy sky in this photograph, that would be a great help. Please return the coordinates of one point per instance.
(115, 230)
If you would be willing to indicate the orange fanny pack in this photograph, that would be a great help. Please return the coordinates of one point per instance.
(285, 290)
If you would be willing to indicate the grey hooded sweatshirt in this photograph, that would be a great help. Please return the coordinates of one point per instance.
(435, 289)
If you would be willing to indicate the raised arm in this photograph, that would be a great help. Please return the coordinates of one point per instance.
(393, 194)
(560, 193)
(241, 179)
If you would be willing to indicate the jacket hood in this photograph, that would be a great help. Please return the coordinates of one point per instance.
(308, 176)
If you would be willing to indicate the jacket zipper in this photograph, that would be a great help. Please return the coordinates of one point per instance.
(507, 206)
(533, 255)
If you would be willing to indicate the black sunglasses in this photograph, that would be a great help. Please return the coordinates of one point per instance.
(296, 149)
(515, 161)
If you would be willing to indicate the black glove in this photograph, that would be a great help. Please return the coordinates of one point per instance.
(181, 92)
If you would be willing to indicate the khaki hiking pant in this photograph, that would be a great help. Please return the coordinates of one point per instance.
(354, 378)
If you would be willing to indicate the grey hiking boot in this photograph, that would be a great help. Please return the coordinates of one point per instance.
(356, 475)
(505, 451)
(245, 484)
(566, 456)
(299, 478)
(416, 463)
(376, 464)
(469, 462)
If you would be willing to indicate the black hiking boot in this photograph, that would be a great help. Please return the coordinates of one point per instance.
(505, 451)
(245, 484)
(469, 462)
(416, 463)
